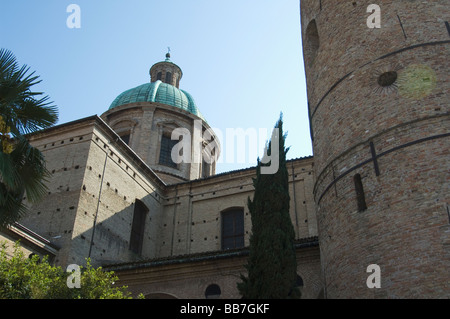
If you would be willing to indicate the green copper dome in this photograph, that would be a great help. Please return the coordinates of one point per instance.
(158, 92)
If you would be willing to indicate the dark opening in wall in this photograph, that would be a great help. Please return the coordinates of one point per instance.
(206, 169)
(168, 78)
(312, 42)
(232, 228)
(387, 78)
(213, 292)
(360, 197)
(138, 225)
(299, 281)
(165, 155)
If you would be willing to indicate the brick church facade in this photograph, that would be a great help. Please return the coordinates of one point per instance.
(375, 192)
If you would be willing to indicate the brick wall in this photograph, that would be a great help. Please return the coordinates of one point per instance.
(395, 137)
(188, 277)
(147, 123)
(95, 181)
(192, 210)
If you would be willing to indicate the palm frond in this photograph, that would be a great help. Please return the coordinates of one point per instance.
(29, 164)
(8, 173)
(8, 64)
(20, 107)
(23, 171)
(11, 207)
(32, 115)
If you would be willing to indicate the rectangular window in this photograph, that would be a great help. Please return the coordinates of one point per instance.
(165, 155)
(233, 229)
(360, 197)
(137, 228)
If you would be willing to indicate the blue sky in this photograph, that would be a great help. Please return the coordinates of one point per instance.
(241, 60)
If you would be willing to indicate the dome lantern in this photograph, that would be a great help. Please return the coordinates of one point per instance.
(163, 88)
(166, 72)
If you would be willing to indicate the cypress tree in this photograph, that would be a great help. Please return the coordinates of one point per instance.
(272, 265)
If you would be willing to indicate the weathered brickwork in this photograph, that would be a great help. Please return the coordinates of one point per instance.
(169, 278)
(394, 135)
(95, 184)
(30, 243)
(192, 211)
(54, 217)
(376, 191)
(162, 69)
(146, 123)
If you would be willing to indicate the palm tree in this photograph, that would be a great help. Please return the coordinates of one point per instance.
(22, 111)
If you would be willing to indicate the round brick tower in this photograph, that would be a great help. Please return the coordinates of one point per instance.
(378, 94)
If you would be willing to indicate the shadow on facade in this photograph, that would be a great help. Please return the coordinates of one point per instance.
(114, 237)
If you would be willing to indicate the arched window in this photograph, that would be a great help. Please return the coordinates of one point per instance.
(233, 228)
(159, 76)
(137, 228)
(299, 282)
(169, 77)
(312, 42)
(213, 292)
